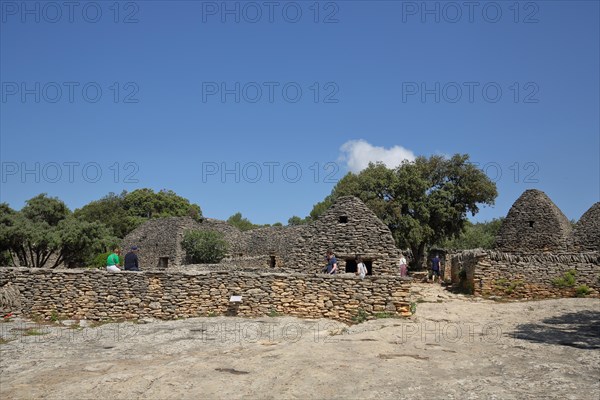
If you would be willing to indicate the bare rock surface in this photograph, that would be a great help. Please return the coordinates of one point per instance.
(454, 347)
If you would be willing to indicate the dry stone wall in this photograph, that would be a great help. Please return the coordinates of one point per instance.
(523, 275)
(100, 295)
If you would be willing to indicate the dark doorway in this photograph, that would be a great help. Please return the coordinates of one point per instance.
(272, 262)
(369, 265)
(351, 265)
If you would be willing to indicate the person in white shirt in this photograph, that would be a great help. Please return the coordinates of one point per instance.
(403, 266)
(361, 269)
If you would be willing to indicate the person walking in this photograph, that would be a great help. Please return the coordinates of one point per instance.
(435, 267)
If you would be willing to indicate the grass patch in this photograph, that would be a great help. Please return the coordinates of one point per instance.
(413, 307)
(506, 286)
(273, 314)
(54, 317)
(381, 315)
(34, 332)
(211, 314)
(582, 290)
(360, 317)
(567, 280)
(4, 341)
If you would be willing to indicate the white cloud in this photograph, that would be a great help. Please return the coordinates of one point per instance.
(359, 153)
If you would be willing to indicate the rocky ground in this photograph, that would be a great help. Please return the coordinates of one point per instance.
(454, 347)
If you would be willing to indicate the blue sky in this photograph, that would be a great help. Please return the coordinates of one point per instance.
(261, 107)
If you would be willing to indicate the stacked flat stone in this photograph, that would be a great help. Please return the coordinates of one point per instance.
(586, 235)
(534, 224)
(349, 228)
(523, 275)
(101, 295)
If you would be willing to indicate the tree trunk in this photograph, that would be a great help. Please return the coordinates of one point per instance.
(31, 256)
(22, 254)
(12, 258)
(419, 262)
(46, 257)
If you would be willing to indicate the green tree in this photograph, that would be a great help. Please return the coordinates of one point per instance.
(479, 235)
(45, 229)
(6, 220)
(80, 241)
(42, 208)
(204, 246)
(125, 212)
(422, 202)
(240, 222)
(295, 220)
(110, 210)
(165, 203)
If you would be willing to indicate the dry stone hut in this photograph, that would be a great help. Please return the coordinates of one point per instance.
(534, 224)
(586, 235)
(159, 241)
(349, 228)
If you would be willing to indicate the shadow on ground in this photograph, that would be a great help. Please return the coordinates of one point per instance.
(577, 329)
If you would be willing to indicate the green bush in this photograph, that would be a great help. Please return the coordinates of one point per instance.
(567, 280)
(582, 290)
(99, 261)
(204, 247)
(361, 316)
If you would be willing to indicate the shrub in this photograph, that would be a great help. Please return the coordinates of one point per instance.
(507, 286)
(567, 280)
(413, 307)
(204, 247)
(582, 290)
(361, 316)
(99, 262)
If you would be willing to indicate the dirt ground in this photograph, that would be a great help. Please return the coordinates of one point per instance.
(454, 347)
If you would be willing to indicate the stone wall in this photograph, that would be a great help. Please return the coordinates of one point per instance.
(486, 272)
(100, 295)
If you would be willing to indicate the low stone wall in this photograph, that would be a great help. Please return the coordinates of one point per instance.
(523, 275)
(100, 295)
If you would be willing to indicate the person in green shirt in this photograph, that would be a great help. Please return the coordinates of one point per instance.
(112, 262)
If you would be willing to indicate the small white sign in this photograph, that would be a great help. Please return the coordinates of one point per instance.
(235, 299)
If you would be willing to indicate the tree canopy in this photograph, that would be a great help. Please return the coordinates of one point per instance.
(479, 235)
(45, 230)
(125, 212)
(46, 233)
(422, 202)
(244, 224)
